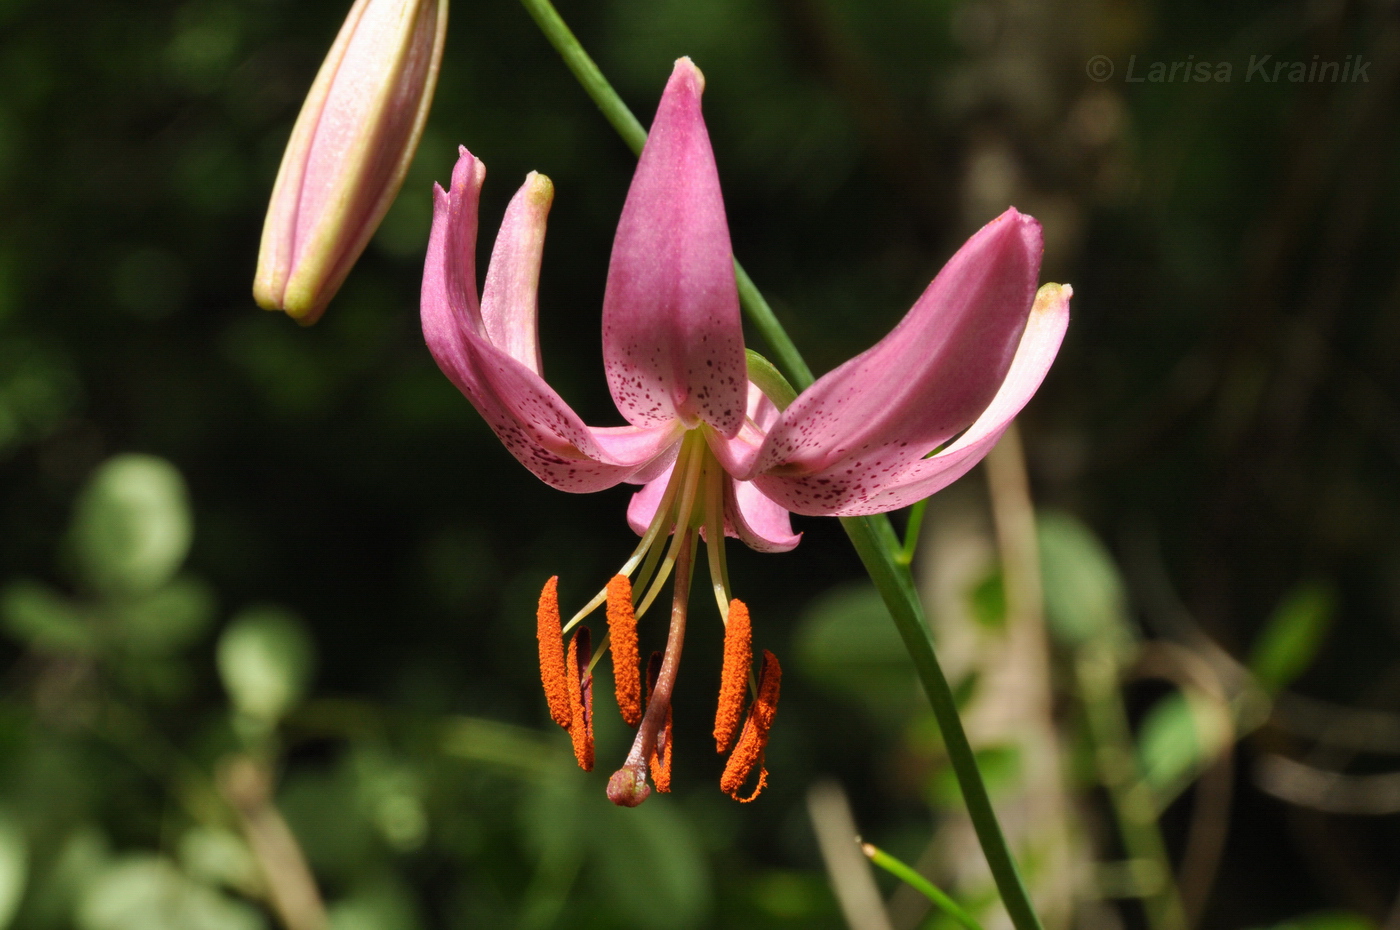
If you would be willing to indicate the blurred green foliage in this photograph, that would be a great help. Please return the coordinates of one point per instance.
(1290, 641)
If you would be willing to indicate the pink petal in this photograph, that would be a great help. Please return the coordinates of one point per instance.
(830, 494)
(673, 346)
(862, 424)
(762, 523)
(737, 455)
(531, 419)
(630, 444)
(641, 510)
(510, 299)
(449, 302)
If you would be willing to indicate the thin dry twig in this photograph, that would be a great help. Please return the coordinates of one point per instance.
(847, 866)
(1013, 513)
(1331, 792)
(292, 891)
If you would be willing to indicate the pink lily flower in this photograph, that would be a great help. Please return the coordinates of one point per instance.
(714, 454)
(349, 151)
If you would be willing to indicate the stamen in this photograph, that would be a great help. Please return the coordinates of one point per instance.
(660, 761)
(714, 534)
(749, 752)
(645, 549)
(581, 699)
(552, 674)
(601, 648)
(659, 519)
(684, 509)
(622, 628)
(734, 674)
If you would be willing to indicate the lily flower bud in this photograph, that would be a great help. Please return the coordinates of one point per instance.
(349, 151)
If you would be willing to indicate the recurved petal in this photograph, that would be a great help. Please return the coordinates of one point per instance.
(862, 424)
(510, 299)
(673, 345)
(528, 416)
(449, 303)
(641, 510)
(760, 522)
(829, 494)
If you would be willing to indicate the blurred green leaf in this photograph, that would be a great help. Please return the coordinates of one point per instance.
(265, 659)
(1292, 636)
(1327, 920)
(324, 813)
(81, 856)
(650, 863)
(132, 525)
(790, 895)
(1180, 735)
(987, 600)
(219, 857)
(1000, 767)
(1084, 596)
(167, 619)
(45, 619)
(150, 893)
(847, 642)
(382, 904)
(390, 793)
(552, 814)
(14, 867)
(38, 388)
(966, 688)
(478, 739)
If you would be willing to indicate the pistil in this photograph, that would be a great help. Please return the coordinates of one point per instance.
(628, 785)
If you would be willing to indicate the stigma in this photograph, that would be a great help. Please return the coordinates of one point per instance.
(691, 511)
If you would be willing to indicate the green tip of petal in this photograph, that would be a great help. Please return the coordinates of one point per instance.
(1049, 295)
(265, 298)
(696, 73)
(304, 304)
(539, 188)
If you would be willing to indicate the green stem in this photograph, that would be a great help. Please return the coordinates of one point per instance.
(584, 68)
(766, 322)
(873, 537)
(911, 533)
(920, 884)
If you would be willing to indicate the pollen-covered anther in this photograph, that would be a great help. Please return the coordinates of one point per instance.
(660, 761)
(734, 674)
(622, 631)
(552, 673)
(749, 751)
(580, 684)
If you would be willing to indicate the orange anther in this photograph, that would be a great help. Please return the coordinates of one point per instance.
(749, 751)
(552, 674)
(734, 675)
(622, 630)
(580, 685)
(660, 761)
